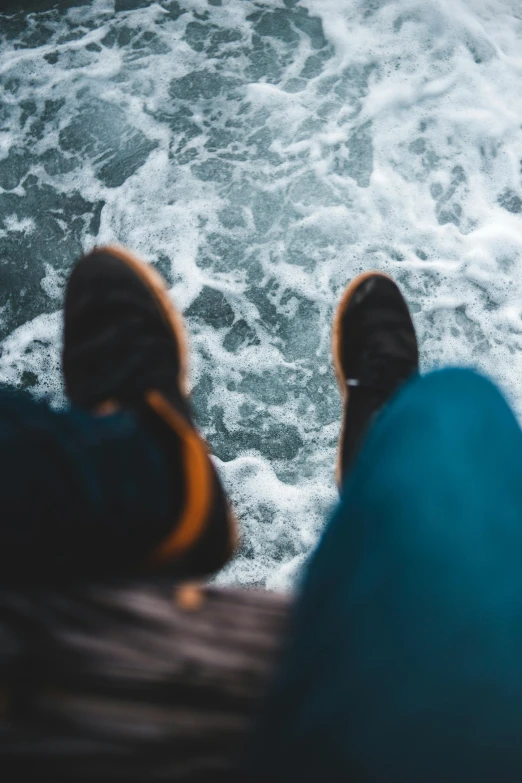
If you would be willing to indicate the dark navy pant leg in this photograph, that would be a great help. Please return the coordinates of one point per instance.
(80, 495)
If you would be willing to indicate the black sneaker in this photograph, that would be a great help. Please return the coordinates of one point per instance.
(125, 347)
(375, 351)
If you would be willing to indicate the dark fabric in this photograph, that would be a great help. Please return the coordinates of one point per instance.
(81, 496)
(405, 662)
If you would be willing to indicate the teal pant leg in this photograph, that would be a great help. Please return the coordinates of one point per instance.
(405, 658)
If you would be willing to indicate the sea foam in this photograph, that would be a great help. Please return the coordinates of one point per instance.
(261, 154)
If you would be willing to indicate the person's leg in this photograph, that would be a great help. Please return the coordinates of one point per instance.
(108, 495)
(405, 658)
(124, 344)
(81, 495)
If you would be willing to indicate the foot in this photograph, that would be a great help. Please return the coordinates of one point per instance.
(375, 351)
(122, 334)
(125, 347)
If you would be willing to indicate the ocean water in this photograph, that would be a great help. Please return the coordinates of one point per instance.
(261, 153)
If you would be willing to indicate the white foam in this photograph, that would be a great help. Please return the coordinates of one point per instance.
(400, 149)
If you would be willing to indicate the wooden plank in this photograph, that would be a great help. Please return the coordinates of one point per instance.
(139, 682)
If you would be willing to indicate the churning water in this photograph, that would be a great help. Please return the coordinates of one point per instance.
(260, 153)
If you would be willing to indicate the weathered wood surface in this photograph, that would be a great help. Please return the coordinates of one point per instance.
(132, 683)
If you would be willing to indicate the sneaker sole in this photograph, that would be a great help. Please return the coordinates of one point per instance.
(336, 353)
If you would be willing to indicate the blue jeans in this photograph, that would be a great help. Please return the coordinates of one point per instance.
(404, 661)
